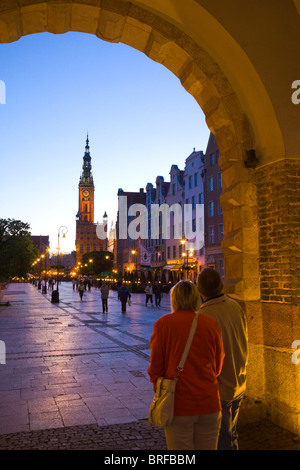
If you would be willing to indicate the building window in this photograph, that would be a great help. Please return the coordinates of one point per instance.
(221, 268)
(211, 234)
(211, 183)
(174, 251)
(201, 198)
(190, 182)
(211, 208)
(187, 228)
(88, 248)
(219, 180)
(212, 159)
(194, 225)
(194, 202)
(169, 252)
(196, 179)
(219, 207)
(187, 201)
(221, 231)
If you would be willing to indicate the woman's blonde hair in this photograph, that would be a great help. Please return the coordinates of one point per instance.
(185, 296)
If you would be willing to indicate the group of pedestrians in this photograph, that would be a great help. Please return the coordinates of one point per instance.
(85, 281)
(211, 386)
(156, 290)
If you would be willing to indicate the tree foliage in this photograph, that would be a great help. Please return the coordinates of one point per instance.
(96, 262)
(17, 250)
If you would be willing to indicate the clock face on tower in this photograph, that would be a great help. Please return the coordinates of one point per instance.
(86, 193)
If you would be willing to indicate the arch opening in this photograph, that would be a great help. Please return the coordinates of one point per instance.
(236, 130)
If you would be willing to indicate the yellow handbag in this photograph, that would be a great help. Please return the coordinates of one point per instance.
(161, 410)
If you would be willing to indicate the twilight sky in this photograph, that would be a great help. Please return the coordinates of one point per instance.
(139, 118)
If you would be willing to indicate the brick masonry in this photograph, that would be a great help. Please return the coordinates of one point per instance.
(278, 195)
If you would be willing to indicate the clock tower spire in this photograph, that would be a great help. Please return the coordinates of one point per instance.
(86, 188)
(87, 240)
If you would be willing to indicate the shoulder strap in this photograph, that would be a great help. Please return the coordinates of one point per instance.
(188, 343)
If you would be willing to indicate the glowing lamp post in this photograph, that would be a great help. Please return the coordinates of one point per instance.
(55, 293)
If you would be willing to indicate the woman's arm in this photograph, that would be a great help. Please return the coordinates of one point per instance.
(157, 366)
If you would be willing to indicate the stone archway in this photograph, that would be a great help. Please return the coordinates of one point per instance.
(200, 75)
(241, 115)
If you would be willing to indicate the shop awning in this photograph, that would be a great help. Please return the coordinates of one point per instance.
(172, 267)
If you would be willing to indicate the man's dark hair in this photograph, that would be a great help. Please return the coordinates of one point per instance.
(210, 283)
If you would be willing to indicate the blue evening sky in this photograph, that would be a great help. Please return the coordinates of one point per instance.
(139, 118)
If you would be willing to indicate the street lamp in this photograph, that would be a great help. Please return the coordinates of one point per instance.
(189, 252)
(44, 289)
(55, 293)
(134, 252)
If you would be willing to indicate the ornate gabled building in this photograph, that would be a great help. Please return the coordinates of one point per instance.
(87, 239)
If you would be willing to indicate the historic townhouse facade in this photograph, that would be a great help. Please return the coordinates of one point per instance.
(128, 249)
(213, 214)
(194, 181)
(172, 252)
(175, 197)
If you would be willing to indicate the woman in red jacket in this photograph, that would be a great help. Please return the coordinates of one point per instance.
(197, 408)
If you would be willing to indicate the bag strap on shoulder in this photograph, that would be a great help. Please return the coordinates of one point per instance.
(188, 343)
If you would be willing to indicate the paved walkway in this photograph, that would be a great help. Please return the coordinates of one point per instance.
(76, 378)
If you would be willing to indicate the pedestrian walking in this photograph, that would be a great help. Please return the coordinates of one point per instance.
(148, 290)
(81, 289)
(123, 296)
(157, 294)
(104, 289)
(197, 407)
(232, 380)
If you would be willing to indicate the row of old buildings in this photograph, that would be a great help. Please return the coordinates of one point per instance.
(177, 243)
(167, 230)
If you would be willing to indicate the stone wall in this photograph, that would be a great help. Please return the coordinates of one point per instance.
(278, 193)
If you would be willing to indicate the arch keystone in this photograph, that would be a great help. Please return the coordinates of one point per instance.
(84, 18)
(59, 18)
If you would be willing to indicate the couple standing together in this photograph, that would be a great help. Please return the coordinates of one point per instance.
(211, 385)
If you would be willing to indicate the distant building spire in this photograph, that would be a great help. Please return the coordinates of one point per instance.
(86, 176)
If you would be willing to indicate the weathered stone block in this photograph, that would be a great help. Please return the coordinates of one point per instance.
(84, 18)
(34, 18)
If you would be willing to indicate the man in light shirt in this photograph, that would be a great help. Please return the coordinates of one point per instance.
(232, 322)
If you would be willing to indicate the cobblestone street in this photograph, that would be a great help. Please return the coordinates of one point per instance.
(76, 378)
